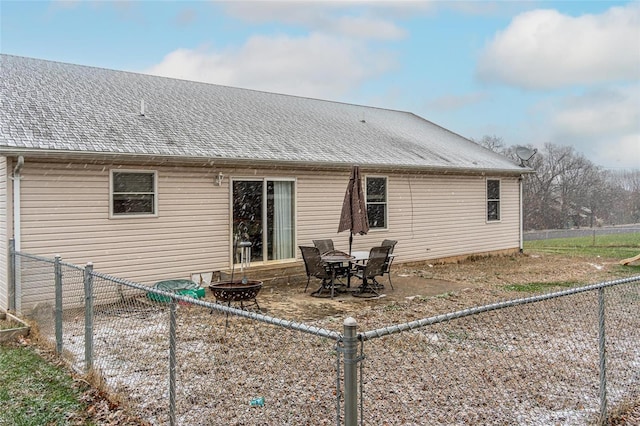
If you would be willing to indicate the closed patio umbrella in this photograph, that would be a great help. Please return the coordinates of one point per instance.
(354, 210)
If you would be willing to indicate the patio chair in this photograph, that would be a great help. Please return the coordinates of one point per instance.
(389, 243)
(324, 246)
(387, 269)
(373, 268)
(315, 267)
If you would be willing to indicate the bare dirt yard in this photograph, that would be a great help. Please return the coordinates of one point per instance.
(467, 283)
(447, 287)
(241, 351)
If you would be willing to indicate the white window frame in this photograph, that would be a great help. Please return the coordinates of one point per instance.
(493, 200)
(265, 180)
(385, 203)
(113, 215)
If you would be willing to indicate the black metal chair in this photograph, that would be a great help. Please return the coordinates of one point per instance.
(316, 268)
(389, 243)
(387, 269)
(368, 272)
(324, 246)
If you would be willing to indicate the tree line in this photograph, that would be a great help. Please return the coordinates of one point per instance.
(567, 190)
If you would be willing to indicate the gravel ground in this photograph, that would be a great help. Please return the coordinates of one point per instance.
(529, 365)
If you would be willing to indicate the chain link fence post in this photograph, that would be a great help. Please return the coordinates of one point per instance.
(339, 350)
(350, 372)
(12, 274)
(602, 349)
(15, 278)
(88, 317)
(172, 362)
(58, 290)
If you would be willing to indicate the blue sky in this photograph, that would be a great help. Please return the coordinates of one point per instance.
(534, 72)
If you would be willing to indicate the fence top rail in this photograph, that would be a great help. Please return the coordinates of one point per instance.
(305, 328)
(34, 257)
(48, 260)
(398, 328)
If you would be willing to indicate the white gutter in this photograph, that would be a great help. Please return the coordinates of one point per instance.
(520, 180)
(206, 161)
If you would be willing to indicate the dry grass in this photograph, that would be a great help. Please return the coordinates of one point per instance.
(535, 364)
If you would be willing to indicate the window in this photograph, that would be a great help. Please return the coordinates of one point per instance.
(264, 214)
(493, 199)
(133, 193)
(376, 193)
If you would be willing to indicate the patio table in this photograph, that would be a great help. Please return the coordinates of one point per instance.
(335, 262)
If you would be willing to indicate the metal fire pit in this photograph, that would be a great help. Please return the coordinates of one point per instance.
(240, 291)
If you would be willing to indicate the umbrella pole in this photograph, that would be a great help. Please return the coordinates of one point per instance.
(349, 269)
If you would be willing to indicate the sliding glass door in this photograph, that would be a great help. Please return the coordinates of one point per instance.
(264, 214)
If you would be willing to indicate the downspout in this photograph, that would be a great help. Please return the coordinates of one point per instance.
(16, 200)
(520, 180)
(17, 285)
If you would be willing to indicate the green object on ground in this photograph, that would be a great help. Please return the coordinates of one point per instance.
(181, 287)
(189, 293)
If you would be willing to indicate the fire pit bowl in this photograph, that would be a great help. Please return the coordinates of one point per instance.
(236, 291)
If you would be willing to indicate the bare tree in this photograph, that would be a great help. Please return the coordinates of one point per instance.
(568, 190)
(494, 143)
(625, 204)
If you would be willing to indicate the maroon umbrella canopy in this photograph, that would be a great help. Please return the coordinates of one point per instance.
(354, 210)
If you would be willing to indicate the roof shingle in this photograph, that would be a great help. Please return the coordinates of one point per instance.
(56, 106)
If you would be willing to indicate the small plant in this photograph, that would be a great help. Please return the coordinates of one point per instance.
(393, 307)
(446, 295)
(538, 287)
(456, 336)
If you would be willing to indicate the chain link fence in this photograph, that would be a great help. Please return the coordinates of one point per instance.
(193, 362)
(594, 233)
(527, 362)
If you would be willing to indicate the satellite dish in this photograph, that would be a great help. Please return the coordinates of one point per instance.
(525, 154)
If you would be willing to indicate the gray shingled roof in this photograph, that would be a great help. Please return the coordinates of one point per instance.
(55, 106)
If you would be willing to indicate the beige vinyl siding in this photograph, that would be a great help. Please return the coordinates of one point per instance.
(320, 197)
(65, 211)
(432, 217)
(436, 217)
(4, 272)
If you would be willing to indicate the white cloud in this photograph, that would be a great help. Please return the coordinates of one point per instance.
(601, 112)
(603, 124)
(543, 49)
(367, 28)
(622, 153)
(366, 20)
(317, 65)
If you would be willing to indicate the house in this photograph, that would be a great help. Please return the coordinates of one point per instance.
(153, 178)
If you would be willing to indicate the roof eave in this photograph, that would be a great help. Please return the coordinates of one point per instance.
(155, 159)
